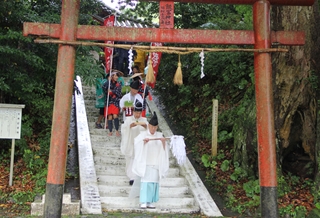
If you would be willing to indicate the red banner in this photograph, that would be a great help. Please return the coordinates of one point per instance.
(108, 52)
(155, 57)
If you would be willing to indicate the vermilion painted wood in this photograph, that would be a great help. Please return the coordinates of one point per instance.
(63, 93)
(265, 113)
(184, 36)
(244, 2)
(61, 110)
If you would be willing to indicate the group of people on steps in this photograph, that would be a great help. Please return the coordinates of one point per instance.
(145, 149)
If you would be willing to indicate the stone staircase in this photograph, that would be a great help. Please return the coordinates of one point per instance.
(181, 192)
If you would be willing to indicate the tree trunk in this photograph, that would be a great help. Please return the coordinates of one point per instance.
(245, 141)
(295, 84)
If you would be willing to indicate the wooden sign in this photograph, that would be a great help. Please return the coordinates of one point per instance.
(166, 14)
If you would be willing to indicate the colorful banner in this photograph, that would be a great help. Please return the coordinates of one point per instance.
(155, 57)
(108, 52)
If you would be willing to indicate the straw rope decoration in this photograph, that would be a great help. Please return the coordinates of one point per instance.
(164, 49)
(150, 78)
(178, 78)
(150, 75)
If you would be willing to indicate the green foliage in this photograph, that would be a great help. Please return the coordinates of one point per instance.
(197, 15)
(27, 76)
(224, 135)
(294, 212)
(285, 183)
(225, 165)
(238, 173)
(252, 188)
(208, 161)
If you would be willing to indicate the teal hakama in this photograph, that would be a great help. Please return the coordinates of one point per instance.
(149, 192)
(149, 188)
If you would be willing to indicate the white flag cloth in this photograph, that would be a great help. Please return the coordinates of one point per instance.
(178, 148)
(201, 55)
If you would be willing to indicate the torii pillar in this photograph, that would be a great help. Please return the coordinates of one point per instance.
(61, 110)
(262, 38)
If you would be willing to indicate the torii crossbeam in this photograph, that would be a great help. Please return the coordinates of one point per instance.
(262, 38)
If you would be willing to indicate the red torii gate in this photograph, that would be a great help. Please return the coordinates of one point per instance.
(262, 37)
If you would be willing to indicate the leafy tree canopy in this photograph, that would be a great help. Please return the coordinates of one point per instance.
(28, 69)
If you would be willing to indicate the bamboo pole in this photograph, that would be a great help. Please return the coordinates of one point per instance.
(160, 138)
(165, 49)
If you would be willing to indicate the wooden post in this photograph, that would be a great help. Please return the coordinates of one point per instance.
(214, 146)
(11, 162)
(61, 111)
(265, 114)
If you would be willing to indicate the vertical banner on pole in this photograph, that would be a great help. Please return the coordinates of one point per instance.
(155, 57)
(214, 127)
(108, 52)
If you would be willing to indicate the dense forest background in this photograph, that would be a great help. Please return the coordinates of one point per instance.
(28, 77)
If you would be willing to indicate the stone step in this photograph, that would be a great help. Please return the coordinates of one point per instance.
(106, 146)
(92, 113)
(105, 151)
(109, 160)
(123, 191)
(171, 211)
(90, 98)
(119, 160)
(89, 101)
(92, 120)
(119, 170)
(105, 139)
(163, 203)
(91, 107)
(123, 180)
(103, 132)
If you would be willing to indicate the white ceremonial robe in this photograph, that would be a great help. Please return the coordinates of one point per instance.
(129, 97)
(127, 141)
(151, 153)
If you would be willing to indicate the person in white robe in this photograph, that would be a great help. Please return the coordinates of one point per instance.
(132, 97)
(131, 128)
(151, 162)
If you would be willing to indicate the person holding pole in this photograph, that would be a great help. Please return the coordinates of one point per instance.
(112, 88)
(131, 128)
(150, 164)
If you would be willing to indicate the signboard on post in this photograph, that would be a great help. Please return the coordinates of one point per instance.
(10, 127)
(10, 121)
